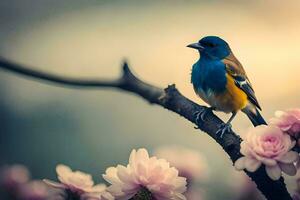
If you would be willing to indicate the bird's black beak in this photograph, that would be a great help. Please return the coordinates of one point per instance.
(196, 46)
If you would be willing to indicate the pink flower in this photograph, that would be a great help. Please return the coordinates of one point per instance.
(190, 164)
(14, 176)
(268, 145)
(78, 183)
(34, 190)
(288, 121)
(144, 172)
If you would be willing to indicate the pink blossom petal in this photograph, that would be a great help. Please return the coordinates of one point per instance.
(111, 175)
(141, 169)
(142, 154)
(289, 169)
(251, 164)
(240, 164)
(98, 188)
(132, 159)
(116, 190)
(274, 172)
(285, 127)
(54, 184)
(62, 169)
(289, 157)
(123, 174)
(179, 196)
(268, 161)
(180, 183)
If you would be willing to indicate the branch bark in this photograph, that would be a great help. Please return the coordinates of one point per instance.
(171, 99)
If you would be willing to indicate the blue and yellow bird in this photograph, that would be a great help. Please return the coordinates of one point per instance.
(221, 81)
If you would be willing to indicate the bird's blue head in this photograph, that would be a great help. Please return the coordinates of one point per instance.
(212, 47)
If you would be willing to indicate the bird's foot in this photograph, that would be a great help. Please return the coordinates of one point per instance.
(200, 115)
(224, 128)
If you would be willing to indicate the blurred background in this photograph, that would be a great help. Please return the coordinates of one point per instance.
(43, 125)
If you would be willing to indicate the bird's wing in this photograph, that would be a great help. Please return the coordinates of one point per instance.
(236, 70)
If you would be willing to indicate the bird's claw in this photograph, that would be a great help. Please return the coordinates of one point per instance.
(224, 128)
(200, 115)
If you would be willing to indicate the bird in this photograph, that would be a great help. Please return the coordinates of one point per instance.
(220, 80)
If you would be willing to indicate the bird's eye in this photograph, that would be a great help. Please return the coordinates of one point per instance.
(211, 45)
(207, 44)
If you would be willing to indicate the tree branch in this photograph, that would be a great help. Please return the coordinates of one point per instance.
(171, 99)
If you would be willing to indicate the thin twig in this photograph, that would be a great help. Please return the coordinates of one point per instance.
(5, 64)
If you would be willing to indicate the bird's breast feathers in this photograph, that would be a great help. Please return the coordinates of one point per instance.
(229, 100)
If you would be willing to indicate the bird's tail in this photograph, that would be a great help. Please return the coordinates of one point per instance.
(254, 116)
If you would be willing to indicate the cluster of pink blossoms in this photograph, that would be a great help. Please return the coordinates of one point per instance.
(16, 181)
(143, 174)
(144, 177)
(272, 145)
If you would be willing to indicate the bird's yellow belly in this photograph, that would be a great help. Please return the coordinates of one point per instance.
(231, 100)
